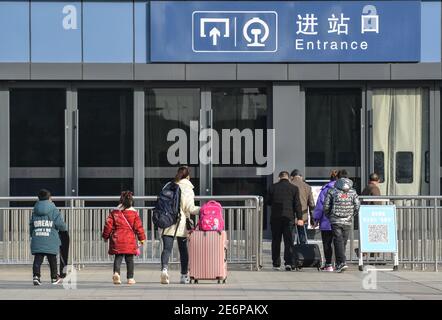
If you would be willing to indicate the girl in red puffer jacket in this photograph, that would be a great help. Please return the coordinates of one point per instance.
(123, 227)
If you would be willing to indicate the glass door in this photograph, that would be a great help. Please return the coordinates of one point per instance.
(238, 114)
(333, 133)
(105, 141)
(37, 140)
(172, 125)
(400, 135)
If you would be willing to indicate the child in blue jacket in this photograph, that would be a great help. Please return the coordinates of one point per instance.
(46, 222)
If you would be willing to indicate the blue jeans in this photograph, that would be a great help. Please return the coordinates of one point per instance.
(302, 234)
(167, 251)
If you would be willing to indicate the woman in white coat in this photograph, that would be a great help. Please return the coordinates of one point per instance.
(187, 208)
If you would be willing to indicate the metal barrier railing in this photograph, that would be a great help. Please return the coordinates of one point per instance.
(419, 233)
(243, 217)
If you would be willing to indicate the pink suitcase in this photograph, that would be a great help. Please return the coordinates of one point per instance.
(208, 256)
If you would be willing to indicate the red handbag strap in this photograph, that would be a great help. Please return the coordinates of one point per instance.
(122, 213)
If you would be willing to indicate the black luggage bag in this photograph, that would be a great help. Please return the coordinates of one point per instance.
(306, 255)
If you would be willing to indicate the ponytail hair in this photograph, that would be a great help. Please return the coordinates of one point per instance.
(334, 175)
(127, 199)
(183, 172)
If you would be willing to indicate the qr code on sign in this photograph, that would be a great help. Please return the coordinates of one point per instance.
(378, 233)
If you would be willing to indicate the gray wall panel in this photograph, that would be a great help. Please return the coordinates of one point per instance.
(289, 125)
(325, 71)
(159, 71)
(56, 71)
(139, 143)
(211, 71)
(262, 72)
(368, 71)
(416, 71)
(15, 71)
(107, 71)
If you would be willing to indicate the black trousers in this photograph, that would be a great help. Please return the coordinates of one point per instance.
(64, 252)
(129, 258)
(340, 237)
(327, 243)
(38, 260)
(282, 228)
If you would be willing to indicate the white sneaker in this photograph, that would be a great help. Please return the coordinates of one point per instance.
(116, 278)
(164, 277)
(185, 279)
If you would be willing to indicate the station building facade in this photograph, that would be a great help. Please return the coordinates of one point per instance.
(100, 96)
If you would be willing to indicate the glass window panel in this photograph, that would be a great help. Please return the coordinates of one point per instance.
(239, 108)
(14, 31)
(333, 127)
(141, 31)
(242, 186)
(37, 127)
(56, 31)
(104, 187)
(379, 165)
(106, 127)
(404, 167)
(108, 31)
(30, 187)
(165, 110)
(153, 186)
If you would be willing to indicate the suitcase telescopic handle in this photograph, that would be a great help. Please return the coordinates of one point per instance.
(297, 234)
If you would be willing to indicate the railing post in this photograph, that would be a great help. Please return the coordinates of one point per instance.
(260, 231)
(435, 227)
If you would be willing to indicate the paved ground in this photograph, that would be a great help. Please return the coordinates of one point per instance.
(94, 282)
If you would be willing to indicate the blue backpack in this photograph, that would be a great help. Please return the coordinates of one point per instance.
(167, 208)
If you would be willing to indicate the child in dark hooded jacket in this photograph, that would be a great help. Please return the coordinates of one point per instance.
(46, 222)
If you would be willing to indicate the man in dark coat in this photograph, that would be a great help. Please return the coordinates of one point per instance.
(283, 197)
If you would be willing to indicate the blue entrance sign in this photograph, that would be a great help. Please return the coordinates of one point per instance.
(377, 227)
(291, 31)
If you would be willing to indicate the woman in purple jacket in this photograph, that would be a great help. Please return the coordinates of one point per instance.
(324, 223)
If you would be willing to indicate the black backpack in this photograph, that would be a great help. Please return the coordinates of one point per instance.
(167, 208)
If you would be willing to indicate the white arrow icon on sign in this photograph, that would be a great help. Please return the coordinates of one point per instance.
(214, 34)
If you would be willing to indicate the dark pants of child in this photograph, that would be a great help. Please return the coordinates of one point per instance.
(38, 260)
(64, 252)
(129, 258)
